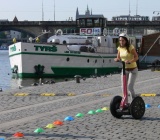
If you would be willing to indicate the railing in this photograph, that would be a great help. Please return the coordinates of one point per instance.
(133, 23)
(38, 23)
(74, 23)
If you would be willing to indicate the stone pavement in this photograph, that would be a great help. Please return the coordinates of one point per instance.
(24, 110)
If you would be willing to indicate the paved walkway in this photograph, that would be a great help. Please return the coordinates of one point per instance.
(24, 110)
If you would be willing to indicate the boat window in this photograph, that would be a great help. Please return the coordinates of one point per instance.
(64, 42)
(104, 22)
(96, 22)
(67, 59)
(103, 60)
(101, 22)
(88, 60)
(89, 22)
(82, 22)
(77, 22)
(96, 61)
(114, 40)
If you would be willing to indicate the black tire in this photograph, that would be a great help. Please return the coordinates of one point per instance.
(137, 108)
(64, 42)
(114, 105)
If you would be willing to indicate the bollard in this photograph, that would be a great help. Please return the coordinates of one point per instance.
(152, 68)
(77, 78)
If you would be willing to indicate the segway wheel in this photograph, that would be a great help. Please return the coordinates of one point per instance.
(114, 105)
(137, 108)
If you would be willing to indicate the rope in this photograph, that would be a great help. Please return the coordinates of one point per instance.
(150, 48)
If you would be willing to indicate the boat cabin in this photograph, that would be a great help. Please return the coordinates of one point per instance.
(90, 24)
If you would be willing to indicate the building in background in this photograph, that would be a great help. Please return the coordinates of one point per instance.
(15, 34)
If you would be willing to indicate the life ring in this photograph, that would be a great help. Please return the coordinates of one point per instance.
(15, 69)
(116, 31)
(59, 32)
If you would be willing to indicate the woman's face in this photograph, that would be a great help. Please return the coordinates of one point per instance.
(122, 41)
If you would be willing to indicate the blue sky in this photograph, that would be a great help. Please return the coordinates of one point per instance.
(32, 9)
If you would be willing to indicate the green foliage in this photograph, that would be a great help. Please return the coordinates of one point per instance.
(23, 35)
(2, 35)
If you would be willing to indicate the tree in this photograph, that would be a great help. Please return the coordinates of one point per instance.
(3, 35)
(23, 34)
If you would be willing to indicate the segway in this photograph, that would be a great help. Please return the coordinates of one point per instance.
(120, 106)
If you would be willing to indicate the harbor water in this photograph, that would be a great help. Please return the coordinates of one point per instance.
(7, 81)
(5, 71)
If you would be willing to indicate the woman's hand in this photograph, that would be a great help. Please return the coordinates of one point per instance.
(116, 59)
(127, 62)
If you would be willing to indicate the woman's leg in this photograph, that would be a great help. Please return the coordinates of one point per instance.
(127, 75)
(131, 82)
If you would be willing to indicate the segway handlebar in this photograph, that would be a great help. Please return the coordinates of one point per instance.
(123, 66)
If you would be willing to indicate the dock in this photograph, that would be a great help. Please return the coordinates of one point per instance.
(32, 113)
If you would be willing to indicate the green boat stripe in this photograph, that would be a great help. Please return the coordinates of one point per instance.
(60, 54)
(90, 67)
(71, 72)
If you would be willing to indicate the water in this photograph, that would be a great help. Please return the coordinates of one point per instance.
(5, 70)
(6, 79)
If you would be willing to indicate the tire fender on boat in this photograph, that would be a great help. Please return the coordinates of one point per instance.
(15, 69)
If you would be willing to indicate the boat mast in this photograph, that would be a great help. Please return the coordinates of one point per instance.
(129, 8)
(137, 8)
(42, 12)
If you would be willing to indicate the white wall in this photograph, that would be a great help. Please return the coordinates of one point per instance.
(15, 34)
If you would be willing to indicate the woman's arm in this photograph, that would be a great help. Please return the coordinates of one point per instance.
(133, 51)
(118, 57)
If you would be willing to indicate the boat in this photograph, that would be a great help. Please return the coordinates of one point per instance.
(87, 51)
(3, 47)
(67, 58)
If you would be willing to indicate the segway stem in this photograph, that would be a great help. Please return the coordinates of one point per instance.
(124, 101)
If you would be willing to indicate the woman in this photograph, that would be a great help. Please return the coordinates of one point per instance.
(128, 54)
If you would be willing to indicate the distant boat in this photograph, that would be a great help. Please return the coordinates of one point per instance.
(3, 47)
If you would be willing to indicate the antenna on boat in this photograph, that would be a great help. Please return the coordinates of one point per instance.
(42, 12)
(137, 8)
(54, 10)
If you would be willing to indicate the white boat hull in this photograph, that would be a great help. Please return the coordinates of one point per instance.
(30, 60)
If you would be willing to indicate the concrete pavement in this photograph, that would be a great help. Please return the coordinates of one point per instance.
(24, 110)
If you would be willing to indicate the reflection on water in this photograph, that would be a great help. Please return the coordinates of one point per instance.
(6, 80)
